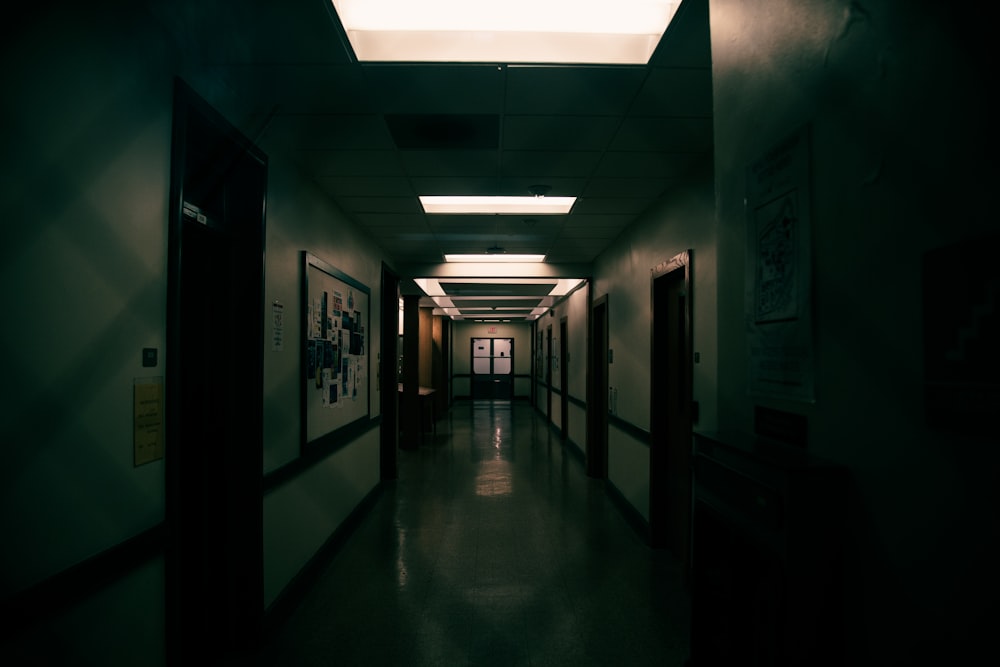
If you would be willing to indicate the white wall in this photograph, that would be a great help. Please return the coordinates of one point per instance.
(301, 514)
(300, 217)
(86, 138)
(575, 309)
(299, 517)
(683, 221)
(903, 159)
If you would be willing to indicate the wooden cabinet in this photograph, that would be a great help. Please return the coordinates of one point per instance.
(766, 564)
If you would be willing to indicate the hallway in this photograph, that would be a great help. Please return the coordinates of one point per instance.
(492, 548)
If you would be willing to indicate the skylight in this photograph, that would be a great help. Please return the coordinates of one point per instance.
(497, 205)
(512, 31)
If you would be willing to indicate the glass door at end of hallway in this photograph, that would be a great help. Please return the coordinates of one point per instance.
(493, 368)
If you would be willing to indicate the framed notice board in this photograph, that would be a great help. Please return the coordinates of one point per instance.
(335, 382)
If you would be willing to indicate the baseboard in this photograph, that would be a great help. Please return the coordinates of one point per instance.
(632, 516)
(290, 598)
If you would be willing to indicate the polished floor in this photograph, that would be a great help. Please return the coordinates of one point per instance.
(492, 548)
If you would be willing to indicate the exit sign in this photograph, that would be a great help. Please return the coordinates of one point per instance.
(492, 330)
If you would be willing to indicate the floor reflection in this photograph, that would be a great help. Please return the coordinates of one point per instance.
(481, 557)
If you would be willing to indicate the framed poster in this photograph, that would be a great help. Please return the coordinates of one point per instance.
(778, 310)
(335, 379)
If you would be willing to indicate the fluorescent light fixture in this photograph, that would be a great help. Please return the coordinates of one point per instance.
(498, 257)
(442, 302)
(497, 205)
(565, 286)
(512, 31)
(430, 286)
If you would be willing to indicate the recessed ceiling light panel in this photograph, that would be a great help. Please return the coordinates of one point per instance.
(499, 257)
(513, 31)
(497, 205)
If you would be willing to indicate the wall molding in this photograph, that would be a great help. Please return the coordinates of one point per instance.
(319, 450)
(294, 592)
(632, 516)
(79, 582)
(636, 432)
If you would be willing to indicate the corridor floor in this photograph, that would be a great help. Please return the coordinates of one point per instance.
(493, 547)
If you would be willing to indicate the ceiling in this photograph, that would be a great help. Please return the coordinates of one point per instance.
(374, 136)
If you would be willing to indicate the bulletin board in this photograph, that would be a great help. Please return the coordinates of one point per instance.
(335, 380)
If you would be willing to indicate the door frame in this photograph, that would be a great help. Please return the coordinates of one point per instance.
(563, 378)
(671, 387)
(597, 379)
(213, 485)
(548, 373)
(388, 374)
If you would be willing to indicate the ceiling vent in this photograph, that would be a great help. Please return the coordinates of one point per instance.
(444, 131)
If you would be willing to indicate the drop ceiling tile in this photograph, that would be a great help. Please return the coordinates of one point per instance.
(449, 163)
(574, 250)
(606, 220)
(560, 187)
(685, 135)
(649, 188)
(611, 206)
(460, 223)
(554, 164)
(490, 240)
(349, 163)
(456, 186)
(539, 227)
(260, 32)
(411, 236)
(589, 232)
(435, 88)
(392, 236)
(392, 220)
(675, 92)
(365, 186)
(644, 164)
(300, 88)
(444, 131)
(558, 133)
(329, 132)
(597, 91)
(380, 204)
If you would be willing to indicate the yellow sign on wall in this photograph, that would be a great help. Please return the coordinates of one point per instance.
(148, 420)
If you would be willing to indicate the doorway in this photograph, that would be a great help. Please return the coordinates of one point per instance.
(493, 368)
(214, 508)
(670, 459)
(563, 379)
(597, 413)
(548, 373)
(389, 374)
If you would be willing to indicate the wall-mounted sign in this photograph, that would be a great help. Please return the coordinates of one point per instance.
(779, 272)
(277, 326)
(147, 407)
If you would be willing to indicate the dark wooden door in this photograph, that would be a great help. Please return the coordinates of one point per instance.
(670, 411)
(214, 561)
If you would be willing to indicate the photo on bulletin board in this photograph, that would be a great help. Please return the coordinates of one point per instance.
(335, 382)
